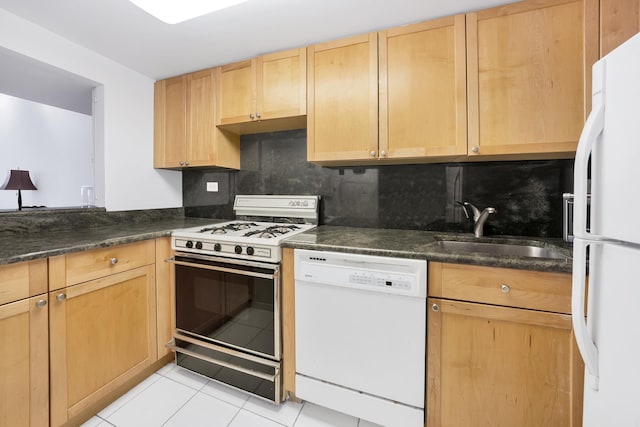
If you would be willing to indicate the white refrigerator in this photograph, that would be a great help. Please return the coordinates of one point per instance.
(609, 338)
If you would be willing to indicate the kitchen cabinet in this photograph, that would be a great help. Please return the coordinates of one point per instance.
(529, 77)
(264, 94)
(185, 115)
(423, 91)
(288, 324)
(342, 100)
(500, 348)
(619, 20)
(24, 366)
(102, 324)
(165, 295)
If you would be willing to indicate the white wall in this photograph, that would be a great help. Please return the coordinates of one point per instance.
(125, 178)
(54, 145)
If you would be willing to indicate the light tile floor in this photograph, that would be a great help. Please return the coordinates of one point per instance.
(176, 397)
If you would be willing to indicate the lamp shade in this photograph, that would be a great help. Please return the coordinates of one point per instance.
(18, 180)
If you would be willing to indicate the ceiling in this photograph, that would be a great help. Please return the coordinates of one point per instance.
(124, 33)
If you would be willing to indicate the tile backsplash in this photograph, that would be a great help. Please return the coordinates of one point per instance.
(526, 194)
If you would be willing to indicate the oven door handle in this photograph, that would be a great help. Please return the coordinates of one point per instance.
(172, 346)
(222, 269)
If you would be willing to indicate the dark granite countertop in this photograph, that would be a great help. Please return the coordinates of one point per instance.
(27, 246)
(423, 245)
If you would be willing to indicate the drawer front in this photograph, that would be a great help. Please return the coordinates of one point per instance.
(501, 286)
(89, 265)
(22, 280)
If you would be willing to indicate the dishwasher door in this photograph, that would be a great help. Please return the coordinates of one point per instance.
(361, 335)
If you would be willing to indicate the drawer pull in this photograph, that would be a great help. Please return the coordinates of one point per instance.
(41, 303)
(114, 261)
(61, 297)
(435, 307)
(505, 288)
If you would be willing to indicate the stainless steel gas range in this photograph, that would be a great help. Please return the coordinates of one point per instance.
(227, 288)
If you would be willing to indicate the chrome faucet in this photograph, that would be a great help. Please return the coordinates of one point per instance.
(479, 218)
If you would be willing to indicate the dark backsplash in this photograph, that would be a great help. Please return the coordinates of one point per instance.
(526, 194)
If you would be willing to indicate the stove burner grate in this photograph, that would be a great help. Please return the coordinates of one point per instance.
(235, 226)
(272, 231)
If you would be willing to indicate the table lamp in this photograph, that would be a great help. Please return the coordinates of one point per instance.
(18, 180)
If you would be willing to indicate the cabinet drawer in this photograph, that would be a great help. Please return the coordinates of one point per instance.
(22, 280)
(70, 269)
(501, 286)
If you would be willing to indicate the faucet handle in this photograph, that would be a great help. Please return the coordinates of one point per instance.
(463, 205)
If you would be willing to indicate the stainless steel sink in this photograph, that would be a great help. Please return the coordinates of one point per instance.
(501, 249)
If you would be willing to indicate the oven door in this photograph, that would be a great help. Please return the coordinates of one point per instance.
(229, 302)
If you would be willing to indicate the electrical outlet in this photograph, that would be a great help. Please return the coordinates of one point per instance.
(212, 187)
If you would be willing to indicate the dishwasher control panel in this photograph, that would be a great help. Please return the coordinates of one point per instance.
(399, 276)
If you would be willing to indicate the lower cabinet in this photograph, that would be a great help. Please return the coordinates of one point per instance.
(102, 334)
(496, 354)
(24, 365)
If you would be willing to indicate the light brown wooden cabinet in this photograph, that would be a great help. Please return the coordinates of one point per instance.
(165, 295)
(185, 116)
(24, 366)
(500, 348)
(422, 89)
(619, 20)
(264, 94)
(529, 77)
(102, 328)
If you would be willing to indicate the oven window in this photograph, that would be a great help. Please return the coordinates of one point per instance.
(227, 308)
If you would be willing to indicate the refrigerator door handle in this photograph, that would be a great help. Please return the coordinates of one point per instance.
(587, 348)
(592, 129)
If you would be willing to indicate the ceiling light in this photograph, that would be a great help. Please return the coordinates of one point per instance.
(175, 11)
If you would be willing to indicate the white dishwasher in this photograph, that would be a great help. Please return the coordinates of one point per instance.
(361, 335)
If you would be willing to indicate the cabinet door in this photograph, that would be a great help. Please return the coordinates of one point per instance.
(237, 91)
(619, 20)
(342, 100)
(423, 90)
(282, 84)
(24, 370)
(102, 333)
(529, 76)
(499, 366)
(170, 109)
(201, 119)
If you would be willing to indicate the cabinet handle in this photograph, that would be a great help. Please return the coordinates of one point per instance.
(251, 116)
(41, 303)
(373, 153)
(435, 307)
(257, 115)
(383, 153)
(181, 163)
(186, 163)
(505, 288)
(475, 149)
(61, 297)
(114, 261)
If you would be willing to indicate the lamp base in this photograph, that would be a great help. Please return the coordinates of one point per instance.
(19, 200)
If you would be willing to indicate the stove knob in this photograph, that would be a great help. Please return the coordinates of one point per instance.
(238, 249)
(198, 245)
(189, 244)
(217, 247)
(250, 250)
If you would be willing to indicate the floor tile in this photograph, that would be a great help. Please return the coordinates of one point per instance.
(122, 400)
(249, 419)
(166, 368)
(187, 377)
(225, 393)
(365, 423)
(93, 422)
(317, 416)
(285, 413)
(203, 410)
(156, 405)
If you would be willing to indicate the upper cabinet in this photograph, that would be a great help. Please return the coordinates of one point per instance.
(529, 74)
(264, 94)
(185, 134)
(619, 20)
(342, 100)
(423, 93)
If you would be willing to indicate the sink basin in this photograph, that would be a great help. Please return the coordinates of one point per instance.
(501, 249)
